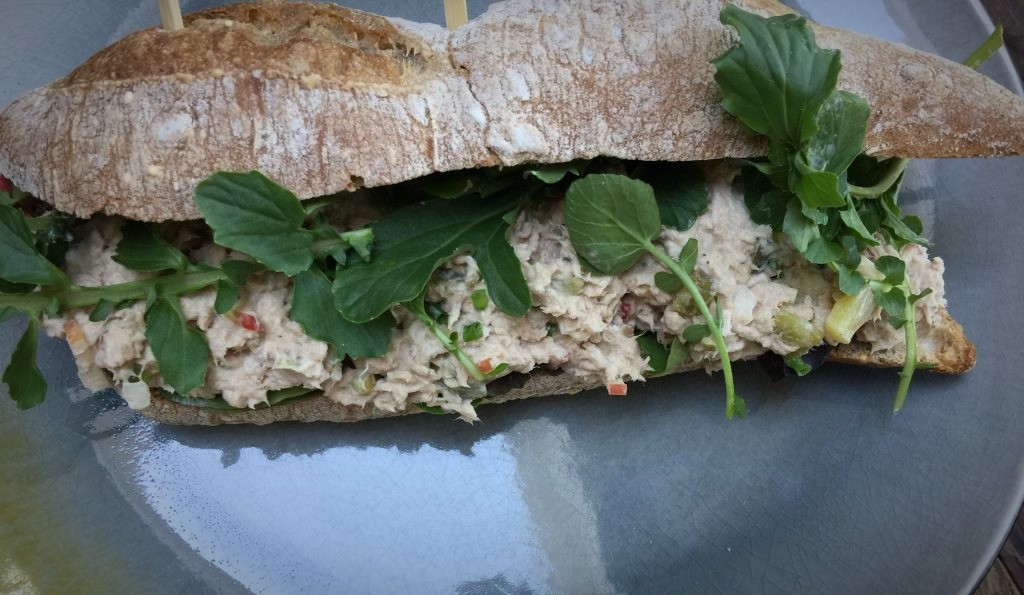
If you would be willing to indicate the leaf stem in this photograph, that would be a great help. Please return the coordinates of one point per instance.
(733, 403)
(322, 248)
(910, 359)
(445, 340)
(80, 297)
(896, 169)
(990, 46)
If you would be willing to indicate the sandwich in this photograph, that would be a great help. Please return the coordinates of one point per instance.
(293, 211)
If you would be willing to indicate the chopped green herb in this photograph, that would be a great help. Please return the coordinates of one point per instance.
(472, 332)
(480, 300)
(416, 307)
(798, 365)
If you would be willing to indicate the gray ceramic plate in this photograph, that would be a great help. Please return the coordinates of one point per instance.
(821, 490)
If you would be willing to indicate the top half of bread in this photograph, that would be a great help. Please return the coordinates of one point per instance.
(325, 99)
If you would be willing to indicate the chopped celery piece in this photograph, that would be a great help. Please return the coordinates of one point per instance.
(849, 313)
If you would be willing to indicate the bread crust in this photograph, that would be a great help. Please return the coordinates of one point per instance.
(326, 99)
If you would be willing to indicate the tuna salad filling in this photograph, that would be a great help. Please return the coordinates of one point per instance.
(766, 295)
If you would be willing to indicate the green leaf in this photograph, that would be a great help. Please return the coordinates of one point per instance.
(776, 80)
(21, 262)
(680, 190)
(217, 403)
(661, 360)
(24, 381)
(554, 172)
(472, 332)
(252, 214)
(851, 217)
(413, 242)
(361, 241)
(688, 255)
(238, 271)
(896, 226)
(894, 269)
(480, 300)
(611, 219)
(433, 409)
(798, 227)
(654, 351)
(13, 288)
(737, 408)
(181, 351)
(915, 297)
(497, 371)
(275, 397)
(435, 312)
(313, 308)
(13, 196)
(842, 125)
(52, 233)
(892, 300)
(141, 249)
(678, 353)
(449, 185)
(850, 281)
(766, 204)
(667, 282)
(816, 188)
(822, 251)
(695, 333)
(101, 310)
(227, 297)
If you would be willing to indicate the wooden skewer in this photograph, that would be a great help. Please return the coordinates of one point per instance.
(170, 15)
(455, 13)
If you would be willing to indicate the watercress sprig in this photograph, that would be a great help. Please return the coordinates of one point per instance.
(612, 221)
(450, 341)
(779, 83)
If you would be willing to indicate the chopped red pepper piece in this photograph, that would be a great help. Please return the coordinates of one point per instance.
(618, 389)
(246, 321)
(5, 185)
(625, 309)
(485, 365)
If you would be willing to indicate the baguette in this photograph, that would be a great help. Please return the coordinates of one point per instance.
(327, 100)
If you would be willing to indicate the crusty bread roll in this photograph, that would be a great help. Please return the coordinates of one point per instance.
(325, 99)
